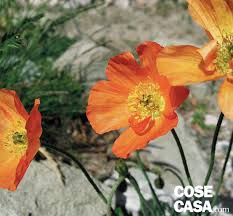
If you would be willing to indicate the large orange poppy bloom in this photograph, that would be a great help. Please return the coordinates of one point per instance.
(188, 64)
(135, 97)
(19, 138)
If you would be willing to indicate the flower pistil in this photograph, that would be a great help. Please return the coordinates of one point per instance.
(146, 100)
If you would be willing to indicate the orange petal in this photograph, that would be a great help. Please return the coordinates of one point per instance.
(33, 125)
(209, 54)
(225, 101)
(140, 127)
(129, 141)
(9, 114)
(231, 63)
(107, 107)
(125, 71)
(12, 165)
(213, 15)
(182, 65)
(178, 95)
(11, 99)
(34, 131)
(148, 52)
(230, 3)
(8, 169)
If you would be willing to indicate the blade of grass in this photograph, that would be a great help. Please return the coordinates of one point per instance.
(154, 195)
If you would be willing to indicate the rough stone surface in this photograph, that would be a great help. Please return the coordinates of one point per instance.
(147, 2)
(72, 3)
(122, 3)
(86, 59)
(42, 193)
(200, 91)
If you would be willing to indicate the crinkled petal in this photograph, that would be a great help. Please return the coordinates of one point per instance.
(148, 52)
(107, 107)
(209, 54)
(125, 71)
(129, 141)
(182, 65)
(8, 167)
(34, 131)
(10, 98)
(141, 127)
(178, 95)
(225, 101)
(213, 15)
(13, 166)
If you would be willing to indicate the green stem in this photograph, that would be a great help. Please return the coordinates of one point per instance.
(182, 156)
(113, 191)
(175, 174)
(155, 197)
(143, 202)
(213, 148)
(79, 164)
(214, 201)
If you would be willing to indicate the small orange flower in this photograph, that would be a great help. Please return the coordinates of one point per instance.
(19, 138)
(135, 97)
(188, 64)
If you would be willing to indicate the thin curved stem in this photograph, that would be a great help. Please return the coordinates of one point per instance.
(175, 174)
(154, 195)
(143, 202)
(113, 191)
(182, 156)
(214, 201)
(79, 164)
(213, 148)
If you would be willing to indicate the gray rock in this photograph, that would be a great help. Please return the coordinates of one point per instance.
(147, 2)
(200, 91)
(73, 3)
(124, 4)
(42, 193)
(86, 59)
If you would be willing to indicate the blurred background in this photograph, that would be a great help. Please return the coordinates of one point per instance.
(56, 50)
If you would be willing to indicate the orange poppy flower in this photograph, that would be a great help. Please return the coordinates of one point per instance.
(135, 97)
(188, 64)
(19, 138)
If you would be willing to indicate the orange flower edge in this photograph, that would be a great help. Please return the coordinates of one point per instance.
(135, 97)
(19, 138)
(184, 65)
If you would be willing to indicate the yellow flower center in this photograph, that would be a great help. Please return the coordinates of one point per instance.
(145, 100)
(16, 141)
(224, 56)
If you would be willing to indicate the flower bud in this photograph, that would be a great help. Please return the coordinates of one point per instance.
(121, 168)
(159, 182)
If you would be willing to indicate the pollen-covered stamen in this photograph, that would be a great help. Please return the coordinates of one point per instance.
(224, 56)
(15, 140)
(19, 138)
(146, 100)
